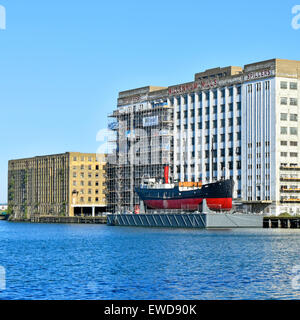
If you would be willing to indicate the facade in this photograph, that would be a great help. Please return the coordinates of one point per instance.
(239, 122)
(66, 184)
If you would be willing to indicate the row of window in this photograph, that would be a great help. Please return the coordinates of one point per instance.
(89, 167)
(258, 86)
(292, 143)
(90, 199)
(215, 166)
(284, 101)
(284, 85)
(293, 130)
(215, 110)
(293, 117)
(258, 177)
(82, 158)
(258, 155)
(292, 154)
(258, 166)
(205, 95)
(82, 175)
(90, 184)
(90, 191)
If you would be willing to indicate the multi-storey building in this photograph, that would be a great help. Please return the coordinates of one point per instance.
(66, 184)
(234, 122)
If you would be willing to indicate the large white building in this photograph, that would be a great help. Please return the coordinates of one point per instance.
(234, 122)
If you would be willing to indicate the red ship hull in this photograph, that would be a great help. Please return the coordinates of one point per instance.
(191, 204)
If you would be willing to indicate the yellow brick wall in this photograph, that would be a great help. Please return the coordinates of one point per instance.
(86, 180)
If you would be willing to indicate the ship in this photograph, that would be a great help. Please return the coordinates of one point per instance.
(186, 196)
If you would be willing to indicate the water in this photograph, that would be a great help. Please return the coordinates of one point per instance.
(99, 262)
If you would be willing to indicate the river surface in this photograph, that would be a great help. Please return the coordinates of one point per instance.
(54, 261)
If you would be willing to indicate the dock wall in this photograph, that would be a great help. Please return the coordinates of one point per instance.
(186, 220)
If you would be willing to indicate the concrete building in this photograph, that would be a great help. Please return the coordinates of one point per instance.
(69, 184)
(3, 206)
(239, 122)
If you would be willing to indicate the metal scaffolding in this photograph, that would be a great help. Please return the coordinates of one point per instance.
(142, 135)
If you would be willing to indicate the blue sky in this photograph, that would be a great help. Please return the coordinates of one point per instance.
(62, 63)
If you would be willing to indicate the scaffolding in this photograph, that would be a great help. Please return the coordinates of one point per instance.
(142, 135)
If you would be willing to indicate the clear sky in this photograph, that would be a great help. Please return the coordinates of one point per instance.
(62, 63)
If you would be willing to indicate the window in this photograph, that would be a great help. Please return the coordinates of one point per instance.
(96, 183)
(74, 158)
(89, 199)
(215, 109)
(293, 131)
(230, 136)
(293, 154)
(74, 174)
(239, 106)
(283, 130)
(89, 183)
(82, 158)
(238, 90)
(293, 85)
(294, 143)
(293, 101)
(283, 143)
(223, 108)
(283, 116)
(230, 106)
(82, 183)
(90, 159)
(283, 85)
(74, 183)
(230, 122)
(238, 121)
(222, 123)
(283, 154)
(293, 117)
(97, 199)
(90, 167)
(283, 101)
